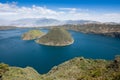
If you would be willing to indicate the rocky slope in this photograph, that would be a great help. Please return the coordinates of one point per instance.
(86, 69)
(17, 73)
(76, 69)
(102, 29)
(32, 34)
(56, 37)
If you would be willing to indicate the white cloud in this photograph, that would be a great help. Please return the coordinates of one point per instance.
(112, 15)
(67, 8)
(13, 12)
(73, 9)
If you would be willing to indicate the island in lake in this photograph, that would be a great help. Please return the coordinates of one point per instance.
(56, 37)
(32, 34)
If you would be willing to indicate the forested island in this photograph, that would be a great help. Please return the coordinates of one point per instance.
(32, 34)
(56, 37)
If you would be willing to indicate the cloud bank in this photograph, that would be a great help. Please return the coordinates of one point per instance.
(14, 12)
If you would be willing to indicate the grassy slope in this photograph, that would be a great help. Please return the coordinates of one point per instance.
(76, 69)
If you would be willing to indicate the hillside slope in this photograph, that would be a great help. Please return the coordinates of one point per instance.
(102, 29)
(75, 69)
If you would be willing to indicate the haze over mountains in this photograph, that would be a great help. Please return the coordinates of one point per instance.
(33, 22)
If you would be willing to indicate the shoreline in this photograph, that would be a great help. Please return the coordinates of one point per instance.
(77, 68)
(52, 44)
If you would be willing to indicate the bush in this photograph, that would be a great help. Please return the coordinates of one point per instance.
(3, 68)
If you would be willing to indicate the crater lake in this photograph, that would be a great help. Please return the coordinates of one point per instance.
(17, 52)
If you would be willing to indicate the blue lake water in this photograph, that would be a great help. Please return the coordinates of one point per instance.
(16, 52)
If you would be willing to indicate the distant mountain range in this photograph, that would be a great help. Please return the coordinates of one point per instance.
(29, 22)
(34, 22)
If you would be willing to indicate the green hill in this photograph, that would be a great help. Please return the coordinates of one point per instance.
(75, 69)
(56, 37)
(32, 34)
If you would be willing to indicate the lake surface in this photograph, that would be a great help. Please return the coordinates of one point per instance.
(17, 52)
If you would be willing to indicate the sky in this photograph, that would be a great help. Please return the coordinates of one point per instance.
(96, 10)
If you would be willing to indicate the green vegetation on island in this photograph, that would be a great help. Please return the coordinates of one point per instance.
(56, 37)
(32, 34)
(78, 68)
